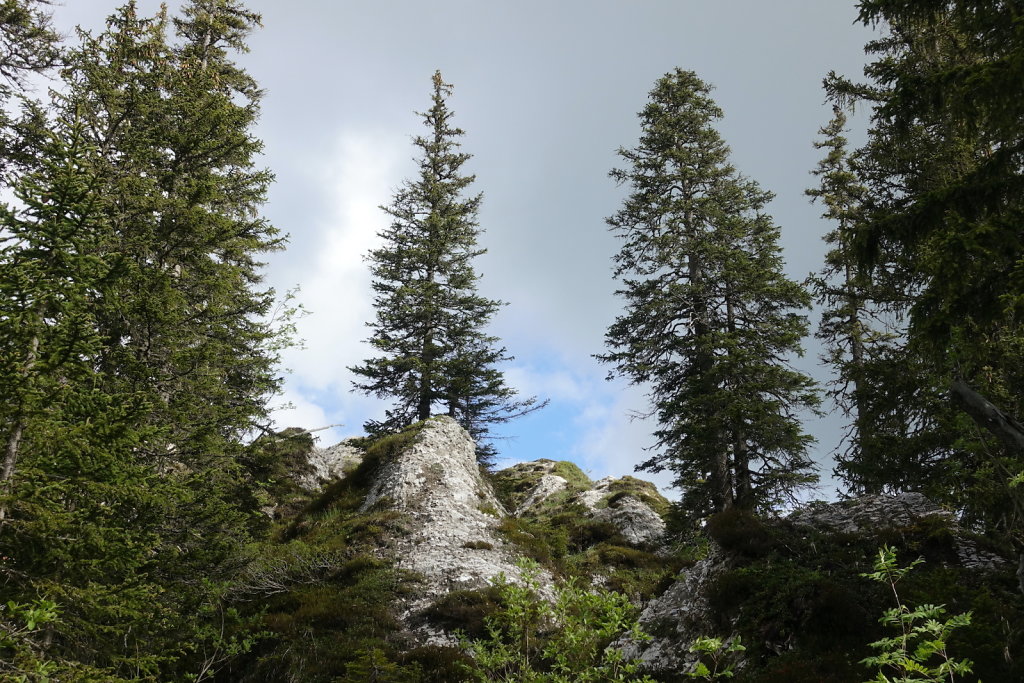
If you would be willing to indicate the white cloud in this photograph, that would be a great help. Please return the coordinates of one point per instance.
(334, 281)
(295, 410)
(559, 384)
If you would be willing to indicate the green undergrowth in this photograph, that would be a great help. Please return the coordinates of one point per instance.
(320, 601)
(274, 462)
(799, 600)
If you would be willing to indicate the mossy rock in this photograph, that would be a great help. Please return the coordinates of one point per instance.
(513, 485)
(644, 491)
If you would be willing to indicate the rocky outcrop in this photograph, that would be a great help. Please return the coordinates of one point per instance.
(868, 514)
(676, 618)
(636, 519)
(451, 515)
(634, 507)
(326, 464)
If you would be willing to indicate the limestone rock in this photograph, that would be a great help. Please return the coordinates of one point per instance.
(325, 464)
(868, 513)
(549, 485)
(678, 616)
(635, 518)
(452, 514)
(533, 488)
(871, 513)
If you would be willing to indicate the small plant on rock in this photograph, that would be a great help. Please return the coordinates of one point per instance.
(923, 634)
(713, 663)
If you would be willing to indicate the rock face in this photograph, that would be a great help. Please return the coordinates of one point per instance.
(325, 464)
(635, 519)
(452, 514)
(548, 486)
(871, 513)
(868, 513)
(678, 616)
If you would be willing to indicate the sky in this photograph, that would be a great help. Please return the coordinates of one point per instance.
(547, 91)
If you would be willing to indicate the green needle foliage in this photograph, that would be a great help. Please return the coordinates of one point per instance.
(884, 389)
(941, 217)
(430, 321)
(135, 359)
(923, 634)
(710, 317)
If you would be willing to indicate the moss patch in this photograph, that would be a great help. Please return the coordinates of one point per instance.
(464, 611)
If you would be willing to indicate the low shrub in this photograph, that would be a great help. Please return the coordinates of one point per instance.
(465, 611)
(740, 532)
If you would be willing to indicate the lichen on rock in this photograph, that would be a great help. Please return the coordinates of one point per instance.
(629, 504)
(451, 514)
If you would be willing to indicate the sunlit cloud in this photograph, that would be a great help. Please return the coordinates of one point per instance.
(359, 174)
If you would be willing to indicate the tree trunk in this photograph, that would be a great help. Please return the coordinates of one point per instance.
(720, 481)
(741, 469)
(17, 430)
(1002, 426)
(861, 425)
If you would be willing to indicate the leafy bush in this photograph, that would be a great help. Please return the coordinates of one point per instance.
(530, 640)
(714, 661)
(922, 633)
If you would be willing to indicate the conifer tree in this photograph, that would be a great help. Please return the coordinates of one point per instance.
(941, 166)
(131, 440)
(430, 321)
(71, 471)
(860, 325)
(710, 318)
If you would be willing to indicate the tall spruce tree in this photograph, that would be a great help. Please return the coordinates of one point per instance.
(71, 471)
(944, 178)
(430, 321)
(141, 361)
(710, 318)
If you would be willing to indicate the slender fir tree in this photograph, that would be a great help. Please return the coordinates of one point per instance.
(710, 318)
(430, 321)
(859, 327)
